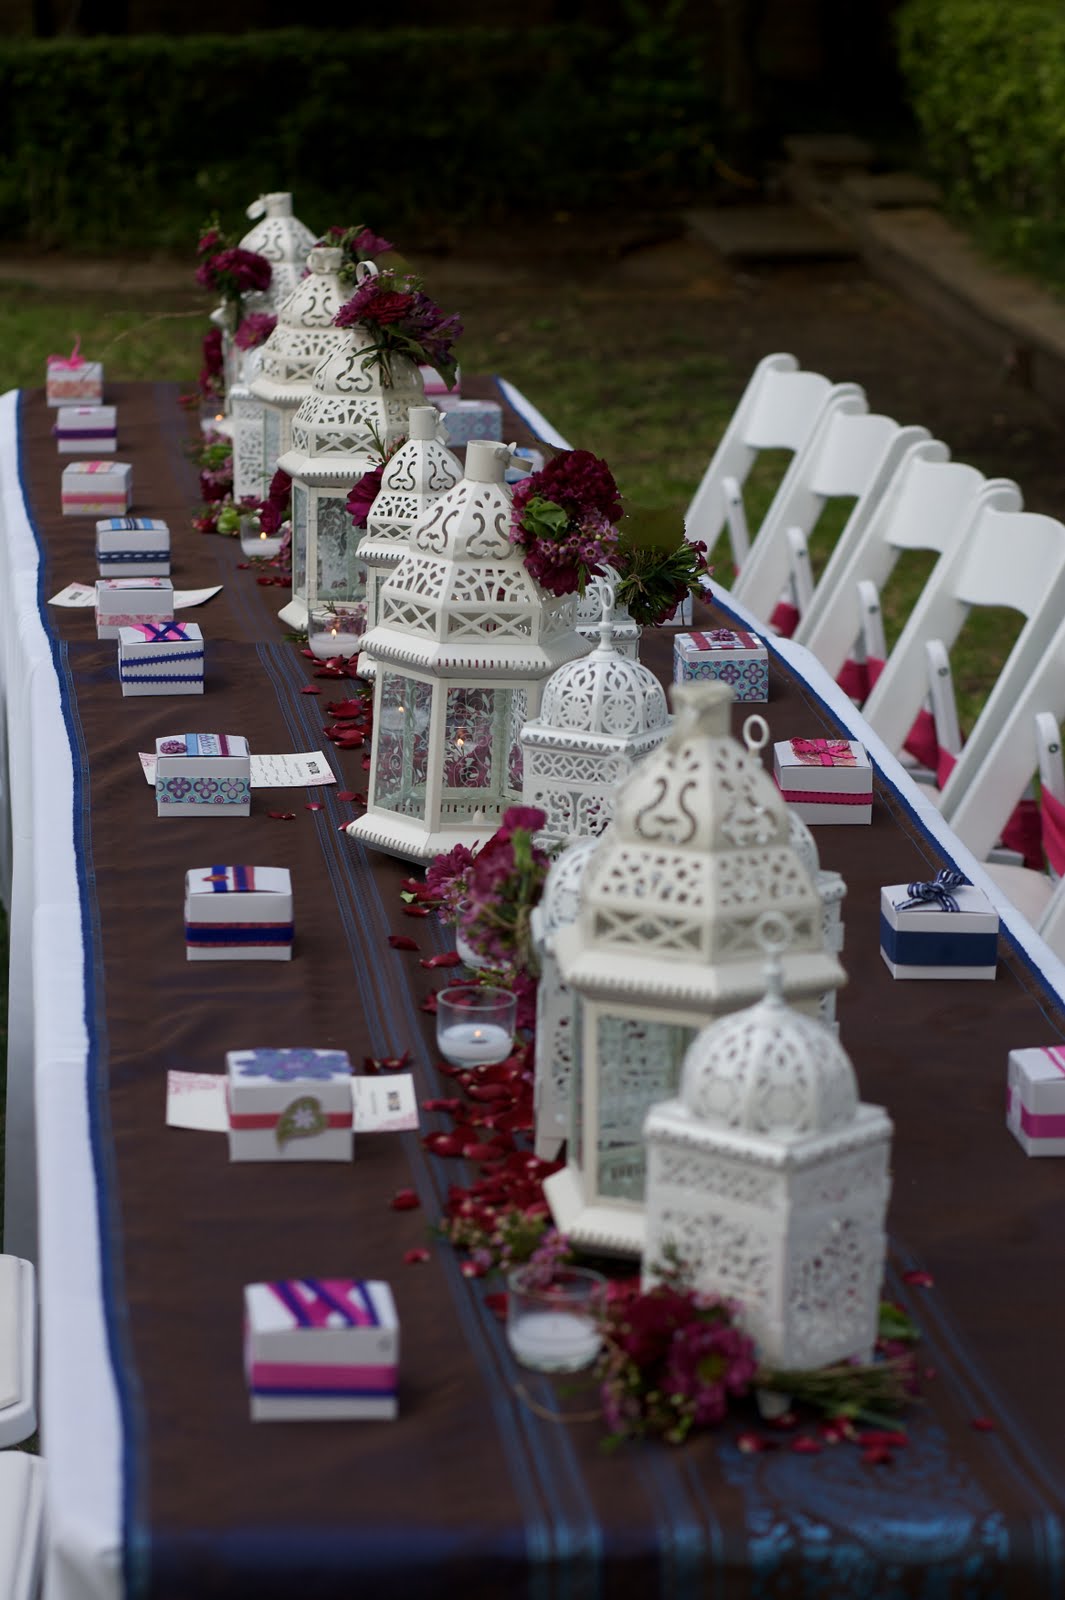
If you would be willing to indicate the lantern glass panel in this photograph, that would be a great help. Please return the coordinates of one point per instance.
(299, 541)
(271, 441)
(517, 717)
(639, 1063)
(402, 735)
(341, 576)
(477, 729)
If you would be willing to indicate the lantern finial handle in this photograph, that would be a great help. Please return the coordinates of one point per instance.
(606, 617)
(257, 209)
(366, 269)
(755, 733)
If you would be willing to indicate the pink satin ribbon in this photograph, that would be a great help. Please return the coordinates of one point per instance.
(293, 1375)
(73, 360)
(824, 752)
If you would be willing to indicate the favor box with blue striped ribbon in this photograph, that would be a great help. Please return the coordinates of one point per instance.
(161, 658)
(203, 774)
(80, 428)
(238, 914)
(317, 1349)
(1035, 1100)
(128, 547)
(289, 1105)
(925, 941)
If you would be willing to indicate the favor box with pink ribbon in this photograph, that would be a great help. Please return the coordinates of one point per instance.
(469, 419)
(238, 914)
(70, 380)
(729, 655)
(203, 774)
(86, 428)
(161, 658)
(826, 780)
(129, 602)
(1035, 1100)
(289, 1105)
(96, 488)
(925, 934)
(129, 547)
(317, 1349)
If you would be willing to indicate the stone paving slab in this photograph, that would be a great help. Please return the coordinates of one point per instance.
(759, 233)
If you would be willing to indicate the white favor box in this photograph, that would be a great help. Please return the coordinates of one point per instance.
(129, 602)
(79, 385)
(469, 419)
(826, 780)
(133, 547)
(93, 488)
(81, 428)
(161, 658)
(203, 774)
(1035, 1100)
(238, 914)
(321, 1348)
(289, 1105)
(924, 941)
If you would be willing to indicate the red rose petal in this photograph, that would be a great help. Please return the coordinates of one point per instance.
(805, 1446)
(412, 1258)
(473, 1269)
(345, 709)
(449, 1104)
(449, 958)
(443, 1144)
(873, 1438)
(313, 805)
(405, 1200)
(282, 816)
(417, 911)
(920, 1280)
(482, 1152)
(752, 1444)
(878, 1455)
(394, 1063)
(308, 688)
(496, 1302)
(982, 1424)
(488, 1091)
(402, 941)
(308, 653)
(349, 794)
(429, 1004)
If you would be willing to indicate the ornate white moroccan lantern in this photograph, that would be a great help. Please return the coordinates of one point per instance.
(554, 1004)
(599, 717)
(347, 416)
(769, 1179)
(421, 471)
(304, 336)
(832, 890)
(590, 610)
(284, 241)
(465, 639)
(665, 942)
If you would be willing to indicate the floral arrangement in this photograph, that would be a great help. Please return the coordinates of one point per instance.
(401, 320)
(656, 576)
(254, 330)
(232, 273)
(565, 521)
(504, 882)
(276, 509)
(211, 380)
(358, 243)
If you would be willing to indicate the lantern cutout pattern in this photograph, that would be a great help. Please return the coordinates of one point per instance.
(599, 717)
(590, 608)
(832, 890)
(353, 409)
(303, 338)
(769, 1180)
(464, 641)
(664, 942)
(284, 241)
(421, 471)
(554, 1004)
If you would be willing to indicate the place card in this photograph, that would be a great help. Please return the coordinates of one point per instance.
(197, 1100)
(84, 594)
(270, 772)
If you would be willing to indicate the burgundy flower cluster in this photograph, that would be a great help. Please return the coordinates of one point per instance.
(504, 882)
(276, 508)
(363, 495)
(565, 521)
(402, 320)
(234, 272)
(254, 330)
(358, 243)
(210, 381)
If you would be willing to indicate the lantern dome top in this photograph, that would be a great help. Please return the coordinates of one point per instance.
(560, 900)
(283, 240)
(305, 334)
(770, 1071)
(605, 694)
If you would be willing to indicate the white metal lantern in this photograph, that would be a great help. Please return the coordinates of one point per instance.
(421, 471)
(250, 478)
(352, 410)
(665, 942)
(554, 1004)
(590, 609)
(465, 638)
(832, 890)
(284, 241)
(599, 717)
(302, 340)
(769, 1179)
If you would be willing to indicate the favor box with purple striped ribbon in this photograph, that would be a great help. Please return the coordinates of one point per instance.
(68, 380)
(238, 914)
(96, 488)
(317, 1349)
(928, 941)
(161, 658)
(203, 774)
(81, 428)
(289, 1105)
(129, 602)
(129, 547)
(1035, 1100)
(826, 780)
(729, 655)
(469, 419)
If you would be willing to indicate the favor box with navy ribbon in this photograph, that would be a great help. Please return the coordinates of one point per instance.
(129, 602)
(729, 655)
(93, 488)
(238, 914)
(86, 428)
(203, 773)
(317, 1349)
(289, 1105)
(928, 941)
(826, 780)
(133, 547)
(161, 658)
(1035, 1100)
(70, 381)
(469, 419)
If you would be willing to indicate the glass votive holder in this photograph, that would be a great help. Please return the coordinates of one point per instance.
(475, 1024)
(336, 630)
(256, 544)
(553, 1316)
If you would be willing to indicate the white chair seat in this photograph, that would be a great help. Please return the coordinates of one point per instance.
(1029, 891)
(21, 1517)
(18, 1339)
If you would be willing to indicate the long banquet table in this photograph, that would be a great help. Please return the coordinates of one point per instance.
(159, 1485)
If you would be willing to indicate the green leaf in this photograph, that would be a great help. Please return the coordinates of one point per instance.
(302, 1119)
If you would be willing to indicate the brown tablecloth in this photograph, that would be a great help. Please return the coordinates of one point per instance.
(479, 1489)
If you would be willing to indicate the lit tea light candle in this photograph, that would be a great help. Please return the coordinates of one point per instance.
(256, 544)
(469, 1044)
(552, 1324)
(333, 633)
(475, 1024)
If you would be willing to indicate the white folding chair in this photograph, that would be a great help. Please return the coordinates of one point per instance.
(21, 1519)
(1051, 924)
(18, 1351)
(851, 453)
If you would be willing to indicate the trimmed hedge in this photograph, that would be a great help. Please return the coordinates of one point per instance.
(987, 84)
(112, 143)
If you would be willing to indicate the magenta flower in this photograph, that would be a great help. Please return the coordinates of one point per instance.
(254, 330)
(363, 495)
(706, 1363)
(403, 320)
(564, 520)
(234, 272)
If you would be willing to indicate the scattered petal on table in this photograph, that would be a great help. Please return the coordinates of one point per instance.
(402, 941)
(313, 805)
(448, 958)
(405, 1200)
(282, 816)
(805, 1446)
(429, 1003)
(310, 688)
(343, 709)
(449, 1103)
(752, 1444)
(349, 794)
(919, 1279)
(417, 911)
(888, 1438)
(443, 1144)
(391, 1063)
(983, 1425)
(496, 1302)
(482, 1152)
(414, 1257)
